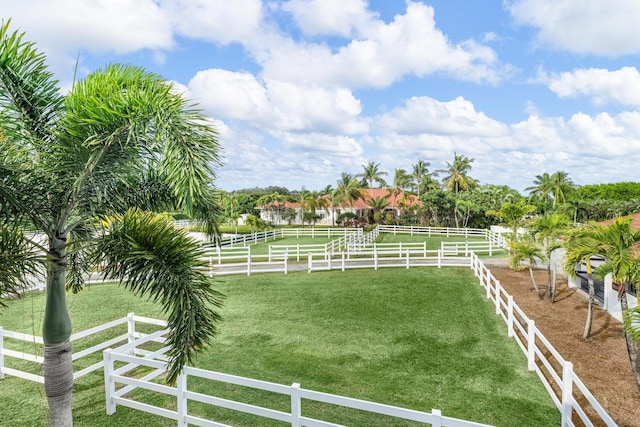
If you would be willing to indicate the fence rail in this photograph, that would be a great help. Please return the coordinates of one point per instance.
(554, 371)
(7, 337)
(122, 396)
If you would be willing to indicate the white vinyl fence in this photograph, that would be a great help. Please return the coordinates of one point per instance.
(568, 392)
(9, 340)
(119, 389)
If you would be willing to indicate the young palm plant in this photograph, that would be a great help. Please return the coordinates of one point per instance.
(528, 251)
(120, 139)
(581, 245)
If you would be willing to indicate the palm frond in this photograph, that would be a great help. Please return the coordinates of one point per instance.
(152, 258)
(28, 91)
(19, 262)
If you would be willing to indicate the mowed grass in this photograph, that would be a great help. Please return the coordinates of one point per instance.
(421, 338)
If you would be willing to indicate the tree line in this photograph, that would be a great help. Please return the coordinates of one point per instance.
(456, 199)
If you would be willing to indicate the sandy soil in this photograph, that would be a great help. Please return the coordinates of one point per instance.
(601, 361)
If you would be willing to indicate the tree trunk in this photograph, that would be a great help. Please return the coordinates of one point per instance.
(535, 285)
(56, 331)
(58, 383)
(631, 347)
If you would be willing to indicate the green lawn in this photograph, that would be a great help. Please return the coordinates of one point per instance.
(422, 338)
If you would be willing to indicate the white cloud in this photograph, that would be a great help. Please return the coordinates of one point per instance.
(70, 25)
(229, 95)
(600, 27)
(276, 105)
(383, 54)
(330, 17)
(601, 86)
(427, 115)
(215, 20)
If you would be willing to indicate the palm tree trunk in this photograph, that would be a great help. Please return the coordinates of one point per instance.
(631, 347)
(535, 285)
(56, 331)
(58, 383)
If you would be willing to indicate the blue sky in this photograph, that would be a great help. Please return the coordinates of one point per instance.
(302, 90)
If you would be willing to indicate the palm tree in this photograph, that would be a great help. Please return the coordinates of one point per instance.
(527, 251)
(546, 230)
(618, 244)
(457, 178)
(555, 187)
(377, 205)
(419, 174)
(118, 139)
(348, 190)
(542, 188)
(372, 173)
(581, 245)
(401, 180)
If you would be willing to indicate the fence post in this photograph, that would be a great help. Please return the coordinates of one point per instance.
(296, 408)
(298, 251)
(329, 261)
(531, 345)
(439, 258)
(510, 316)
(375, 257)
(1, 353)
(342, 261)
(109, 386)
(424, 246)
(181, 388)
(131, 332)
(407, 259)
(270, 248)
(400, 251)
(567, 394)
(466, 248)
(309, 262)
(436, 418)
(286, 257)
(249, 261)
(498, 287)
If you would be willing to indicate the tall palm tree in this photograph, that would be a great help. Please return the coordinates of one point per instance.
(119, 139)
(419, 174)
(561, 185)
(372, 173)
(457, 174)
(348, 190)
(555, 187)
(541, 189)
(401, 181)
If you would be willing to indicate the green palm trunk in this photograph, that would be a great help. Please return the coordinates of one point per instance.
(56, 333)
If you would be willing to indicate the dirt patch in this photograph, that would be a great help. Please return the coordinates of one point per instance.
(601, 361)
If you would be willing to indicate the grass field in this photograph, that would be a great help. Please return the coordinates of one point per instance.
(422, 338)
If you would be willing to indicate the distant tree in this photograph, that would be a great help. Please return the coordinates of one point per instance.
(457, 174)
(555, 186)
(348, 190)
(377, 205)
(401, 181)
(420, 174)
(372, 173)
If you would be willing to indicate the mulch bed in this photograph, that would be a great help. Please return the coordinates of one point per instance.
(601, 361)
